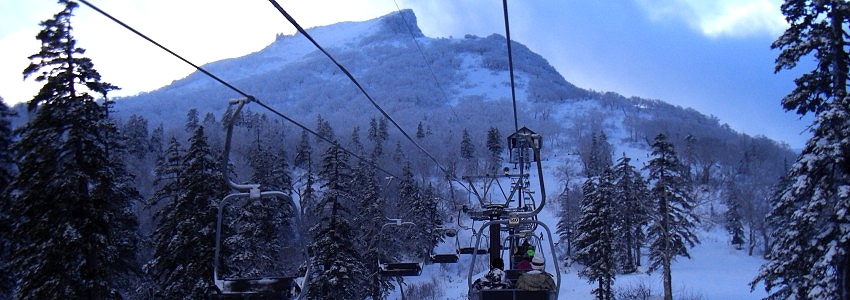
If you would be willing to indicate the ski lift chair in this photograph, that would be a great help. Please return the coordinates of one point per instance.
(446, 258)
(249, 288)
(516, 294)
(398, 268)
(467, 250)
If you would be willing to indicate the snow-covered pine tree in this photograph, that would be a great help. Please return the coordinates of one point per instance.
(467, 152)
(420, 131)
(732, 217)
(256, 245)
(398, 154)
(7, 174)
(72, 195)
(324, 130)
(409, 200)
(426, 212)
(598, 156)
(135, 132)
(184, 237)
(570, 203)
(168, 171)
(494, 148)
(156, 142)
(672, 220)
(595, 241)
(630, 200)
(369, 221)
(467, 148)
(356, 144)
(336, 270)
(378, 135)
(192, 120)
(811, 255)
(303, 151)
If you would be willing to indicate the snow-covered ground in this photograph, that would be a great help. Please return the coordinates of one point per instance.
(715, 271)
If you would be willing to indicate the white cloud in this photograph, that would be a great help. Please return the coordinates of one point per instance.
(735, 18)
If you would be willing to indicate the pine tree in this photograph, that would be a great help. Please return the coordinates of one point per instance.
(323, 129)
(369, 222)
(337, 270)
(595, 241)
(733, 223)
(467, 148)
(303, 151)
(136, 134)
(156, 142)
(598, 158)
(420, 131)
(409, 199)
(378, 135)
(184, 237)
(7, 174)
(672, 221)
(424, 212)
(495, 148)
(811, 254)
(192, 120)
(75, 236)
(631, 215)
(256, 246)
(467, 152)
(356, 144)
(570, 203)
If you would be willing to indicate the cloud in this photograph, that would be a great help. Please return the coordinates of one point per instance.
(733, 18)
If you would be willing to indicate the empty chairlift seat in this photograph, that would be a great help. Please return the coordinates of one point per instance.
(257, 288)
(471, 250)
(449, 258)
(401, 269)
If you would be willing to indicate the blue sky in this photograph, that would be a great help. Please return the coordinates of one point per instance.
(713, 56)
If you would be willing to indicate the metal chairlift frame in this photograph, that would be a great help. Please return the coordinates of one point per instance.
(260, 287)
(402, 268)
(446, 258)
(552, 294)
(467, 250)
(501, 218)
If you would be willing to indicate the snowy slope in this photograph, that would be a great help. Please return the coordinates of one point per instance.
(715, 271)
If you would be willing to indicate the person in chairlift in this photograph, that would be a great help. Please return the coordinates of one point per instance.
(537, 279)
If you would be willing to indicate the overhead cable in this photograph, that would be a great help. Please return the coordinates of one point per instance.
(228, 85)
(362, 90)
(510, 63)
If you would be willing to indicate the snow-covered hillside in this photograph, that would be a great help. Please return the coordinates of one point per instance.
(715, 271)
(447, 87)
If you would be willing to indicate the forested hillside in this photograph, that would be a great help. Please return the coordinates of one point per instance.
(453, 96)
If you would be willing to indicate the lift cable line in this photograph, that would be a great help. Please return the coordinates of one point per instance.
(362, 90)
(510, 63)
(248, 97)
(166, 49)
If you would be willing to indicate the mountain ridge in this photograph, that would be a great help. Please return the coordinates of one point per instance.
(449, 84)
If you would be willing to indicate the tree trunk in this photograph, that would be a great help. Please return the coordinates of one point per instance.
(637, 254)
(843, 271)
(752, 241)
(400, 286)
(668, 279)
(600, 291)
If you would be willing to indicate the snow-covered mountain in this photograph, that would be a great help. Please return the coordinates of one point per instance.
(460, 82)
(448, 85)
